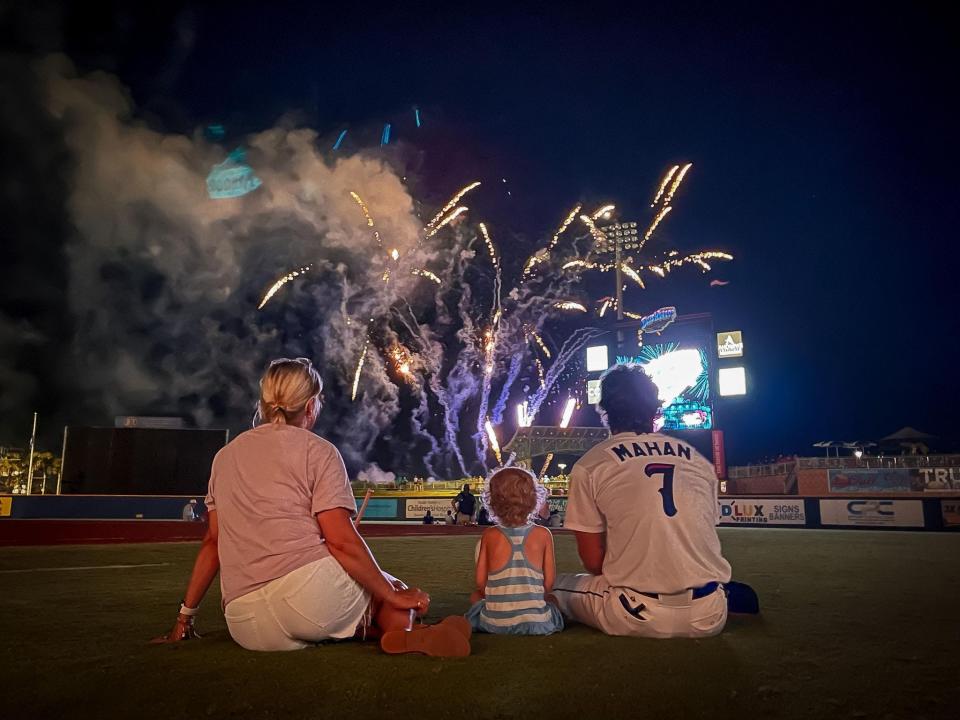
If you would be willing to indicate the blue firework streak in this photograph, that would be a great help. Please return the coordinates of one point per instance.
(701, 391)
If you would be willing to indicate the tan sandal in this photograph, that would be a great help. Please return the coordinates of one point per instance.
(440, 640)
(458, 623)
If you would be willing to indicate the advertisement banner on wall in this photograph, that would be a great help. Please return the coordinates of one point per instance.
(730, 344)
(719, 454)
(416, 508)
(936, 478)
(761, 511)
(872, 512)
(870, 480)
(951, 513)
(6, 505)
(379, 508)
(557, 503)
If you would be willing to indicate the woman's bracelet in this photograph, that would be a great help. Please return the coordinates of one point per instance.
(187, 611)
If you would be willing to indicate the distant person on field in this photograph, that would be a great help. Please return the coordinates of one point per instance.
(543, 512)
(643, 507)
(293, 569)
(515, 564)
(450, 519)
(190, 511)
(483, 517)
(428, 518)
(465, 504)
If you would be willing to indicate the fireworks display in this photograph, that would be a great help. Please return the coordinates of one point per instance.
(570, 305)
(563, 226)
(663, 185)
(356, 374)
(597, 234)
(447, 220)
(676, 183)
(452, 203)
(273, 289)
(632, 274)
(506, 336)
(630, 265)
(490, 248)
(603, 211)
(400, 357)
(492, 437)
(427, 274)
(546, 465)
(543, 256)
(366, 215)
(426, 320)
(656, 221)
(568, 409)
(543, 347)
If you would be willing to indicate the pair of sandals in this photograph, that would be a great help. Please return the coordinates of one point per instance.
(448, 638)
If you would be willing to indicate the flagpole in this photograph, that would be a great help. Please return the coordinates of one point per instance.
(33, 437)
(63, 454)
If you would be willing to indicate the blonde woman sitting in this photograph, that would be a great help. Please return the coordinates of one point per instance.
(293, 569)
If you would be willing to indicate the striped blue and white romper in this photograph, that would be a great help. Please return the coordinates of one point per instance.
(514, 603)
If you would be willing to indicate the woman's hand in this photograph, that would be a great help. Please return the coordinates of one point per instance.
(182, 630)
(409, 599)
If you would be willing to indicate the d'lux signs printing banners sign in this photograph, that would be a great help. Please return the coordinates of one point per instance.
(761, 511)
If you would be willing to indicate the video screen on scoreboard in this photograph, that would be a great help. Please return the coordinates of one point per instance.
(682, 375)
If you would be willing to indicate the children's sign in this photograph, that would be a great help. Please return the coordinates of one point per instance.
(232, 177)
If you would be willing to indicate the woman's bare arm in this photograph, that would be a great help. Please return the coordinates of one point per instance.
(350, 550)
(207, 565)
(205, 569)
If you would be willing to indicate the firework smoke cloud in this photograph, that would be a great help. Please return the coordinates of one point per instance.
(163, 285)
(177, 296)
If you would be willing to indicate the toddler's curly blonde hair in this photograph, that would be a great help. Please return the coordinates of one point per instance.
(513, 496)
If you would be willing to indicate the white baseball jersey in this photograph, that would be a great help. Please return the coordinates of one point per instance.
(656, 499)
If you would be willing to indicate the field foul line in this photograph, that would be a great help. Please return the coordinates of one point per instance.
(83, 567)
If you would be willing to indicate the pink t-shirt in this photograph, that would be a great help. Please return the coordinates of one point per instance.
(267, 487)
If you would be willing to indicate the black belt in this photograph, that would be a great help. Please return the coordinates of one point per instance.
(700, 592)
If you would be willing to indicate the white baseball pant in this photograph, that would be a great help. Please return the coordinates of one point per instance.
(589, 599)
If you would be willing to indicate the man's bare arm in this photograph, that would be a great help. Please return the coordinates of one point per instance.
(591, 547)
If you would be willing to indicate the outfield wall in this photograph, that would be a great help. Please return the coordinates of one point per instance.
(158, 516)
(855, 512)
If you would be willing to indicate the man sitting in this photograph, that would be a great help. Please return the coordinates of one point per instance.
(643, 507)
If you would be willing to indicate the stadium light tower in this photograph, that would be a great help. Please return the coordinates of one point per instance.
(619, 239)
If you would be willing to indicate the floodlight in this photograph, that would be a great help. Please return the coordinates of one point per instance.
(597, 358)
(733, 381)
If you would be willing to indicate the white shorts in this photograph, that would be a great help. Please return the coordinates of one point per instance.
(589, 599)
(318, 601)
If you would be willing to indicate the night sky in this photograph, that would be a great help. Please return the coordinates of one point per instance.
(823, 149)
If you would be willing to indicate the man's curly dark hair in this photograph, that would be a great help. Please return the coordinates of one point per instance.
(628, 399)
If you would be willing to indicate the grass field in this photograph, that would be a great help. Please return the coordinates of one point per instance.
(854, 625)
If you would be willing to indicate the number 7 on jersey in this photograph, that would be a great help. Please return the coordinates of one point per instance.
(666, 490)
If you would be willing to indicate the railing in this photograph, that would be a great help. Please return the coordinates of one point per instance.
(556, 484)
(747, 471)
(418, 487)
(891, 461)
